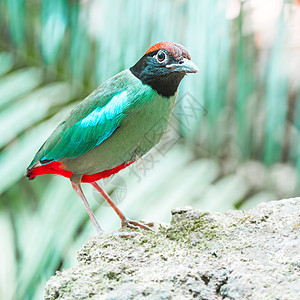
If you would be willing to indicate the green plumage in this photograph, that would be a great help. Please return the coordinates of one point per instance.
(113, 125)
(119, 122)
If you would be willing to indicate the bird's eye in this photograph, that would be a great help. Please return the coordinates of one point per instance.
(161, 56)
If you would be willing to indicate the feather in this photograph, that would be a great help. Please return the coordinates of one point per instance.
(94, 120)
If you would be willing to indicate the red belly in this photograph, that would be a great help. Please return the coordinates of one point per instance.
(57, 168)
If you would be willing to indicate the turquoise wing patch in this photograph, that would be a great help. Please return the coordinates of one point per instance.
(93, 126)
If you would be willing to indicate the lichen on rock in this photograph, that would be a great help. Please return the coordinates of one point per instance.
(237, 255)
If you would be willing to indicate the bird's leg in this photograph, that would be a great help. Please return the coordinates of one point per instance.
(124, 220)
(77, 188)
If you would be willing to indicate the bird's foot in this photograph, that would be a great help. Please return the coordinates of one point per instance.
(124, 234)
(118, 234)
(136, 225)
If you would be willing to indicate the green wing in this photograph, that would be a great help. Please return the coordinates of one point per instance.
(90, 123)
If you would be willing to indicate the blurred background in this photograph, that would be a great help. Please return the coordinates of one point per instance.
(233, 141)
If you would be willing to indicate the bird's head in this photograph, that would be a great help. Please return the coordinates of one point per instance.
(163, 66)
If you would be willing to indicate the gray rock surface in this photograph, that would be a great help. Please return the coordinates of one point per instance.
(251, 254)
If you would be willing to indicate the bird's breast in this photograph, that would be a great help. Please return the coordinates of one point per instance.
(140, 130)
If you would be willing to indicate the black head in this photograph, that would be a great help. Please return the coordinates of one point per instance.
(163, 66)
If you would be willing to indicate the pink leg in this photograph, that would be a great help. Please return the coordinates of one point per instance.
(77, 188)
(124, 220)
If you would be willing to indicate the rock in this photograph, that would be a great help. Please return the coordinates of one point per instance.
(251, 254)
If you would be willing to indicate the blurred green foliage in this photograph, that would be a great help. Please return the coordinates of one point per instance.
(244, 150)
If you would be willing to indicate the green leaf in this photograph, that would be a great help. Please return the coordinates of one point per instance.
(6, 62)
(54, 22)
(31, 109)
(18, 83)
(8, 262)
(15, 12)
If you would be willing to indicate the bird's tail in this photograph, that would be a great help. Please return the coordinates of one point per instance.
(33, 165)
(28, 174)
(36, 162)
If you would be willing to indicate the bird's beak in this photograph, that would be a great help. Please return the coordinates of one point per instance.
(184, 65)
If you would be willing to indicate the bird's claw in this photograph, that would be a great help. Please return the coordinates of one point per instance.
(137, 225)
(124, 234)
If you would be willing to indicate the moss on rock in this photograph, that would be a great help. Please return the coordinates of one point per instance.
(237, 255)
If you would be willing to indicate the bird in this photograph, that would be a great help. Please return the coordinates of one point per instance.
(108, 130)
